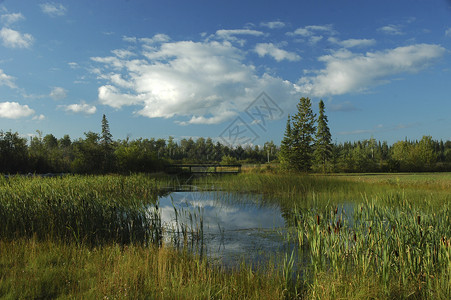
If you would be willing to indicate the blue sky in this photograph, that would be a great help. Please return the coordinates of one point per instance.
(211, 68)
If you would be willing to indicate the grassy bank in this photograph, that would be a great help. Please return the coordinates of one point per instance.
(32, 269)
(426, 190)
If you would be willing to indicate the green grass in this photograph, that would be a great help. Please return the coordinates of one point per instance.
(87, 209)
(93, 237)
(395, 243)
(32, 269)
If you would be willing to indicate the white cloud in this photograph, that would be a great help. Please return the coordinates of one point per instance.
(391, 29)
(129, 39)
(313, 30)
(39, 118)
(73, 65)
(6, 80)
(273, 24)
(122, 53)
(80, 108)
(9, 19)
(53, 10)
(278, 54)
(15, 39)
(227, 33)
(13, 110)
(58, 93)
(230, 34)
(158, 38)
(347, 72)
(350, 43)
(203, 82)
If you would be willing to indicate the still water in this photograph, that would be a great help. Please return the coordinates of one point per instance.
(231, 227)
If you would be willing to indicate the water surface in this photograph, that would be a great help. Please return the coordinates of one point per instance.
(234, 227)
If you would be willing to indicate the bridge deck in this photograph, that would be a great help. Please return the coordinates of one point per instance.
(204, 169)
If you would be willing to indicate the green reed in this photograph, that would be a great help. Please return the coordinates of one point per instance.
(404, 249)
(88, 209)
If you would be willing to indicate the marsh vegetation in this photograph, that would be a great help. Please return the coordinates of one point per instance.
(352, 236)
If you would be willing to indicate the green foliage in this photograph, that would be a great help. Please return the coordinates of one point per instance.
(302, 136)
(323, 141)
(228, 160)
(285, 153)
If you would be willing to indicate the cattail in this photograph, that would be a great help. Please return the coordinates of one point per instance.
(336, 210)
(317, 219)
(355, 237)
(369, 230)
(418, 219)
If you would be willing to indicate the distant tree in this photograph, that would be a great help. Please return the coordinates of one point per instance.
(323, 143)
(106, 138)
(285, 154)
(302, 136)
(106, 141)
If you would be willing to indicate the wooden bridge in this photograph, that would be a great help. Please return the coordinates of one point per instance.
(203, 169)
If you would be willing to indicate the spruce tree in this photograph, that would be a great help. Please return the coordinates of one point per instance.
(106, 141)
(285, 154)
(302, 133)
(106, 138)
(323, 144)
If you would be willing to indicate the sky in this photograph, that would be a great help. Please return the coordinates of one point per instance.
(229, 70)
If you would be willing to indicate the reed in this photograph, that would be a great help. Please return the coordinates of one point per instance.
(406, 251)
(86, 209)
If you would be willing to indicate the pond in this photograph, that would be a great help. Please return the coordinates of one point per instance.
(228, 227)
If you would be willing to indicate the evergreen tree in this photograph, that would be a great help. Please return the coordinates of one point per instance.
(285, 154)
(302, 136)
(323, 144)
(106, 141)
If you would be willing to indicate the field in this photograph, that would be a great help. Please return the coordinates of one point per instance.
(93, 236)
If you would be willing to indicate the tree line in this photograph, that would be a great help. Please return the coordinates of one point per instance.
(306, 147)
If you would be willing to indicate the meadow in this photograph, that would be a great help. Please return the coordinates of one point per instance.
(93, 236)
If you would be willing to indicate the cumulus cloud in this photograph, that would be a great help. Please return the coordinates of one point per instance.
(9, 19)
(58, 93)
(313, 33)
(83, 108)
(14, 39)
(53, 10)
(14, 110)
(347, 72)
(6, 80)
(122, 53)
(278, 54)
(203, 82)
(273, 24)
(158, 38)
(312, 30)
(391, 29)
(230, 34)
(350, 43)
(39, 118)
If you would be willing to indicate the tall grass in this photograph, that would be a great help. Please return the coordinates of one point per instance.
(32, 269)
(402, 251)
(289, 190)
(86, 209)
